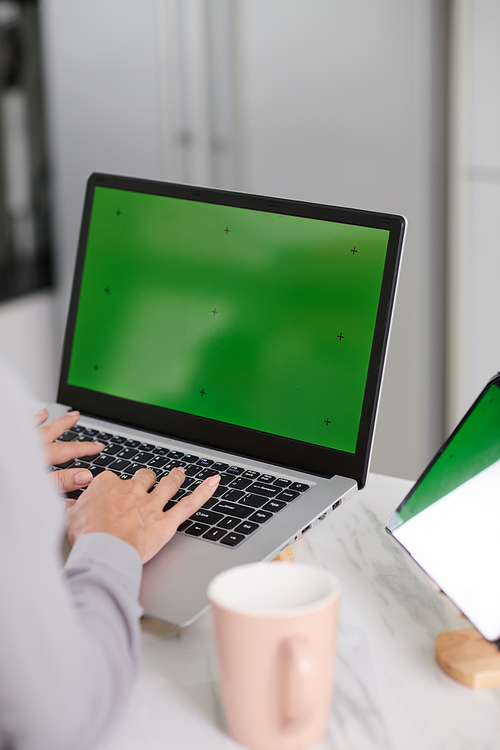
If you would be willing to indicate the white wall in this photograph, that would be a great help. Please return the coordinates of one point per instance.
(344, 103)
(332, 101)
(474, 312)
(104, 106)
(27, 342)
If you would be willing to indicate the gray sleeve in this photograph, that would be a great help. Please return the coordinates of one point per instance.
(69, 641)
(102, 576)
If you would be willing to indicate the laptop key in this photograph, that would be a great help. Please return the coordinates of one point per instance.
(197, 529)
(119, 464)
(251, 474)
(160, 451)
(64, 465)
(232, 539)
(247, 527)
(254, 501)
(103, 460)
(143, 457)
(210, 503)
(146, 447)
(192, 470)
(189, 458)
(175, 454)
(225, 479)
(300, 486)
(261, 516)
(282, 482)
(236, 470)
(220, 491)
(68, 436)
(127, 452)
(263, 489)
(219, 466)
(79, 464)
(233, 495)
(96, 470)
(184, 525)
(204, 462)
(267, 478)
(132, 443)
(112, 449)
(240, 484)
(207, 516)
(103, 436)
(214, 534)
(232, 509)
(287, 495)
(176, 463)
(204, 473)
(90, 432)
(158, 462)
(134, 466)
(274, 506)
(118, 439)
(228, 522)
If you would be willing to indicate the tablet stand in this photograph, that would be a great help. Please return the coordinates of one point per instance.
(285, 555)
(467, 657)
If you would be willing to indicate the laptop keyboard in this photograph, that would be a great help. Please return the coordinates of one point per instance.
(244, 500)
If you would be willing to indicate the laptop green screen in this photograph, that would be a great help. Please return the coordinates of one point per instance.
(252, 318)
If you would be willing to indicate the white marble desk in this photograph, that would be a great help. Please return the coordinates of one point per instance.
(389, 693)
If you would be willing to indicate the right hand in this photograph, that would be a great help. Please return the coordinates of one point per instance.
(126, 509)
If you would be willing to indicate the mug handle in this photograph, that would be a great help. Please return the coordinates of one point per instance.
(294, 686)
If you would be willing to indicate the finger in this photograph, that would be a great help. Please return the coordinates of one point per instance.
(146, 477)
(193, 502)
(40, 417)
(58, 453)
(56, 427)
(68, 480)
(168, 486)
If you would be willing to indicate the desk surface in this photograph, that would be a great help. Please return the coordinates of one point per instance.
(389, 693)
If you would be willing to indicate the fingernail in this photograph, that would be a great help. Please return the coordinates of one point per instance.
(213, 481)
(181, 468)
(82, 477)
(100, 445)
(73, 413)
(41, 411)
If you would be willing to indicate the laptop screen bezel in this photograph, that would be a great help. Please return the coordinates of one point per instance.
(245, 442)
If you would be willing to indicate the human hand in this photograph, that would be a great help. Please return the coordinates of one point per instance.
(66, 480)
(126, 509)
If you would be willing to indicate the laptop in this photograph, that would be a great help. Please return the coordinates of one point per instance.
(236, 334)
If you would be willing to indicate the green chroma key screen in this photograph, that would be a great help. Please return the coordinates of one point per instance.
(473, 448)
(248, 317)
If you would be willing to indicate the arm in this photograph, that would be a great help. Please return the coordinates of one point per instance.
(69, 644)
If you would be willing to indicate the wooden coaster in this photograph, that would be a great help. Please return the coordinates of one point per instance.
(467, 657)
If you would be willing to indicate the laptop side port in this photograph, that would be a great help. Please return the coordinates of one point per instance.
(323, 515)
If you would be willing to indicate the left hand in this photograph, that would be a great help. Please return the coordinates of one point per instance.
(66, 480)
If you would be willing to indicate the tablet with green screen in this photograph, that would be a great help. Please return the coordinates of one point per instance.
(450, 520)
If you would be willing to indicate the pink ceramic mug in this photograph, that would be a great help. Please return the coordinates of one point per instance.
(275, 632)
